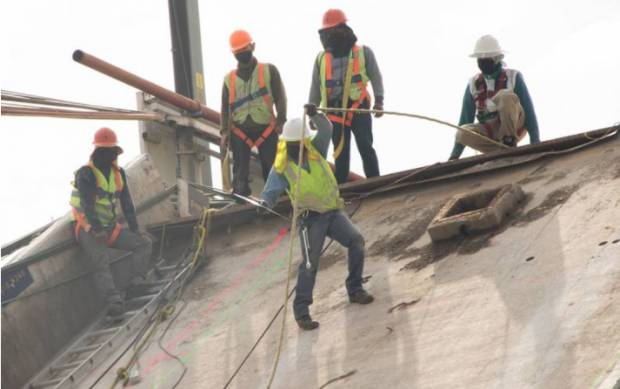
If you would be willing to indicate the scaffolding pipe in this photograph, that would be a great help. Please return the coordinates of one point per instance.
(149, 87)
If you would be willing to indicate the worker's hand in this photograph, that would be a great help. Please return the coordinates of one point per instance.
(100, 236)
(378, 107)
(310, 109)
(278, 129)
(224, 143)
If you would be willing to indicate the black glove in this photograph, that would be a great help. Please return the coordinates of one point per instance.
(310, 109)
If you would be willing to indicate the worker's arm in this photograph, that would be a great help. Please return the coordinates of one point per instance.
(86, 184)
(468, 114)
(374, 74)
(275, 185)
(279, 96)
(315, 86)
(324, 133)
(127, 205)
(528, 108)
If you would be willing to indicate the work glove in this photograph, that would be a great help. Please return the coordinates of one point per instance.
(310, 109)
(378, 107)
(278, 129)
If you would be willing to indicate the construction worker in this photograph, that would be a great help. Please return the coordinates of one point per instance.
(499, 99)
(320, 207)
(339, 80)
(96, 188)
(248, 96)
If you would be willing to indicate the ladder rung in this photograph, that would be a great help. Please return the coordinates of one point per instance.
(168, 268)
(150, 284)
(103, 332)
(142, 299)
(84, 349)
(45, 384)
(66, 366)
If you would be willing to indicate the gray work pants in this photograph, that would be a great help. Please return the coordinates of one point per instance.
(511, 120)
(337, 225)
(100, 256)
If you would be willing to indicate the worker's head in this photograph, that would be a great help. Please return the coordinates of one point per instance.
(336, 36)
(106, 147)
(242, 45)
(293, 130)
(488, 53)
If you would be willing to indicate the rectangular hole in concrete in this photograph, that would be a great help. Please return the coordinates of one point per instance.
(473, 202)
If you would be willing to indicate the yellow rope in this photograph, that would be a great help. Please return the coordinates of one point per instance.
(412, 115)
(290, 252)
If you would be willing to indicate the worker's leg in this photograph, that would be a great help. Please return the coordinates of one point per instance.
(362, 130)
(511, 115)
(476, 142)
(342, 230)
(342, 162)
(241, 166)
(99, 255)
(317, 230)
(267, 153)
(140, 246)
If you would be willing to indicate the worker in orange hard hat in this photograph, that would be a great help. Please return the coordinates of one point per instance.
(249, 95)
(332, 88)
(96, 188)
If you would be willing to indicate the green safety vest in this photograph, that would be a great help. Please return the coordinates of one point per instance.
(359, 77)
(319, 189)
(252, 97)
(108, 191)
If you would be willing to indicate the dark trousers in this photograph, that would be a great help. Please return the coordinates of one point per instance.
(337, 225)
(100, 256)
(241, 159)
(361, 126)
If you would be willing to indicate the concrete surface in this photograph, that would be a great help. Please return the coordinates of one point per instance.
(534, 303)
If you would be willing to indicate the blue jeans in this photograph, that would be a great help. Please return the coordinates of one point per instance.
(337, 225)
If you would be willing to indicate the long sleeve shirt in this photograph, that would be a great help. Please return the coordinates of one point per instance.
(244, 72)
(87, 186)
(276, 182)
(468, 113)
(339, 69)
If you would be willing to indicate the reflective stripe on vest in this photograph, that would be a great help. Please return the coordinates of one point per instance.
(108, 191)
(251, 98)
(357, 91)
(319, 189)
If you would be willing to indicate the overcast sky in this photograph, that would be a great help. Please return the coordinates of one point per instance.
(567, 51)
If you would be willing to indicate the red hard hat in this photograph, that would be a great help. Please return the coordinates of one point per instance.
(104, 137)
(239, 39)
(333, 17)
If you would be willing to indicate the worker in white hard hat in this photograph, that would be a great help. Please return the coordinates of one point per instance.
(320, 207)
(499, 99)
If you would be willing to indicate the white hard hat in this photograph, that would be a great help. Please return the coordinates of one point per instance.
(292, 130)
(487, 47)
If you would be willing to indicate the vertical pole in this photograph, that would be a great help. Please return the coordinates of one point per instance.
(188, 79)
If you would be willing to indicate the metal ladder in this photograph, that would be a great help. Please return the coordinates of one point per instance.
(103, 337)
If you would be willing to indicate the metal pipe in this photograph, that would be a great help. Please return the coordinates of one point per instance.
(147, 86)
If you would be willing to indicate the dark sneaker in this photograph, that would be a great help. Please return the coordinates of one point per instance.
(306, 323)
(361, 297)
(510, 141)
(116, 309)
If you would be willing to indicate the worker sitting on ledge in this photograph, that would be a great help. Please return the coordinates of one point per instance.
(97, 187)
(499, 99)
(320, 208)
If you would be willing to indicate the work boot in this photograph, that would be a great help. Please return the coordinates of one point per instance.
(510, 141)
(361, 297)
(306, 323)
(116, 309)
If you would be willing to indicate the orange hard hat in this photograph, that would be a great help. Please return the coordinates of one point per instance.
(105, 137)
(333, 17)
(239, 39)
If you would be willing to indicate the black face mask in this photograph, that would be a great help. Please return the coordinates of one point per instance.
(103, 157)
(244, 56)
(338, 40)
(292, 149)
(487, 65)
